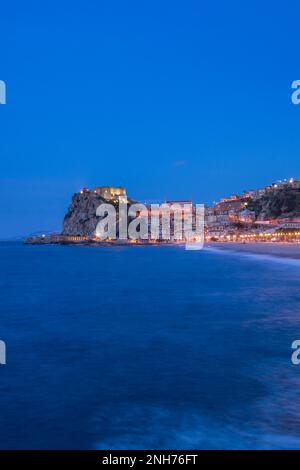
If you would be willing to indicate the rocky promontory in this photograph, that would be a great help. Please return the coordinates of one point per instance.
(80, 219)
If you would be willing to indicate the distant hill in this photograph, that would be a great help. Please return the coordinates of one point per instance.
(19, 238)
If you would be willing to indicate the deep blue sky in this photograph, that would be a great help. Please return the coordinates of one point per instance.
(171, 99)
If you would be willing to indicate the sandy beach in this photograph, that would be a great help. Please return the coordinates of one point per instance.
(281, 250)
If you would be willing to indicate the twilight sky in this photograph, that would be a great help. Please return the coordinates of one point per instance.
(171, 99)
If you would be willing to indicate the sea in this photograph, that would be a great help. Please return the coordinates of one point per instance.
(147, 347)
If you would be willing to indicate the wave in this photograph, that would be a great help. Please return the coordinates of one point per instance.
(255, 256)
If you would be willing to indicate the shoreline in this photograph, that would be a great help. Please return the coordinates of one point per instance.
(278, 249)
(289, 250)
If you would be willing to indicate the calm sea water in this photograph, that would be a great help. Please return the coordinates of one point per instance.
(147, 347)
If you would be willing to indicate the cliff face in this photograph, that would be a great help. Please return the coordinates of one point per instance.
(279, 203)
(81, 219)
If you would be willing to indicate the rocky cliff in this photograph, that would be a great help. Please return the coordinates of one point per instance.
(81, 219)
(280, 203)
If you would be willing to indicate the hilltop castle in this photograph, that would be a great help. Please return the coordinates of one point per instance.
(110, 193)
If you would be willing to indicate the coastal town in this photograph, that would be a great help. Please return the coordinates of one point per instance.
(269, 214)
